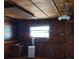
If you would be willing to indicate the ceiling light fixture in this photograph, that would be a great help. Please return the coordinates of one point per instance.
(65, 12)
(64, 17)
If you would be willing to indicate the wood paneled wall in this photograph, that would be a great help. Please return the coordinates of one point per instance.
(60, 43)
(7, 47)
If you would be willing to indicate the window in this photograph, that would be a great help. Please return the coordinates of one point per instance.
(39, 31)
(7, 31)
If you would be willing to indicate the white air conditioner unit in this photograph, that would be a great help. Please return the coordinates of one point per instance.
(31, 51)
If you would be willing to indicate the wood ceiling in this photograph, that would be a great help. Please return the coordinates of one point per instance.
(17, 13)
(34, 9)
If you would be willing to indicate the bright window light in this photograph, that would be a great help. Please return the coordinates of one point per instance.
(7, 32)
(39, 31)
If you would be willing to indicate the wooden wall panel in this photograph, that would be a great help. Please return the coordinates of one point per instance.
(7, 47)
(60, 43)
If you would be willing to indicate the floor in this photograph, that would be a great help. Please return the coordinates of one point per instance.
(36, 58)
(31, 58)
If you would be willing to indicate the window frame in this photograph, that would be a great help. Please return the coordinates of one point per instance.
(41, 30)
(7, 30)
